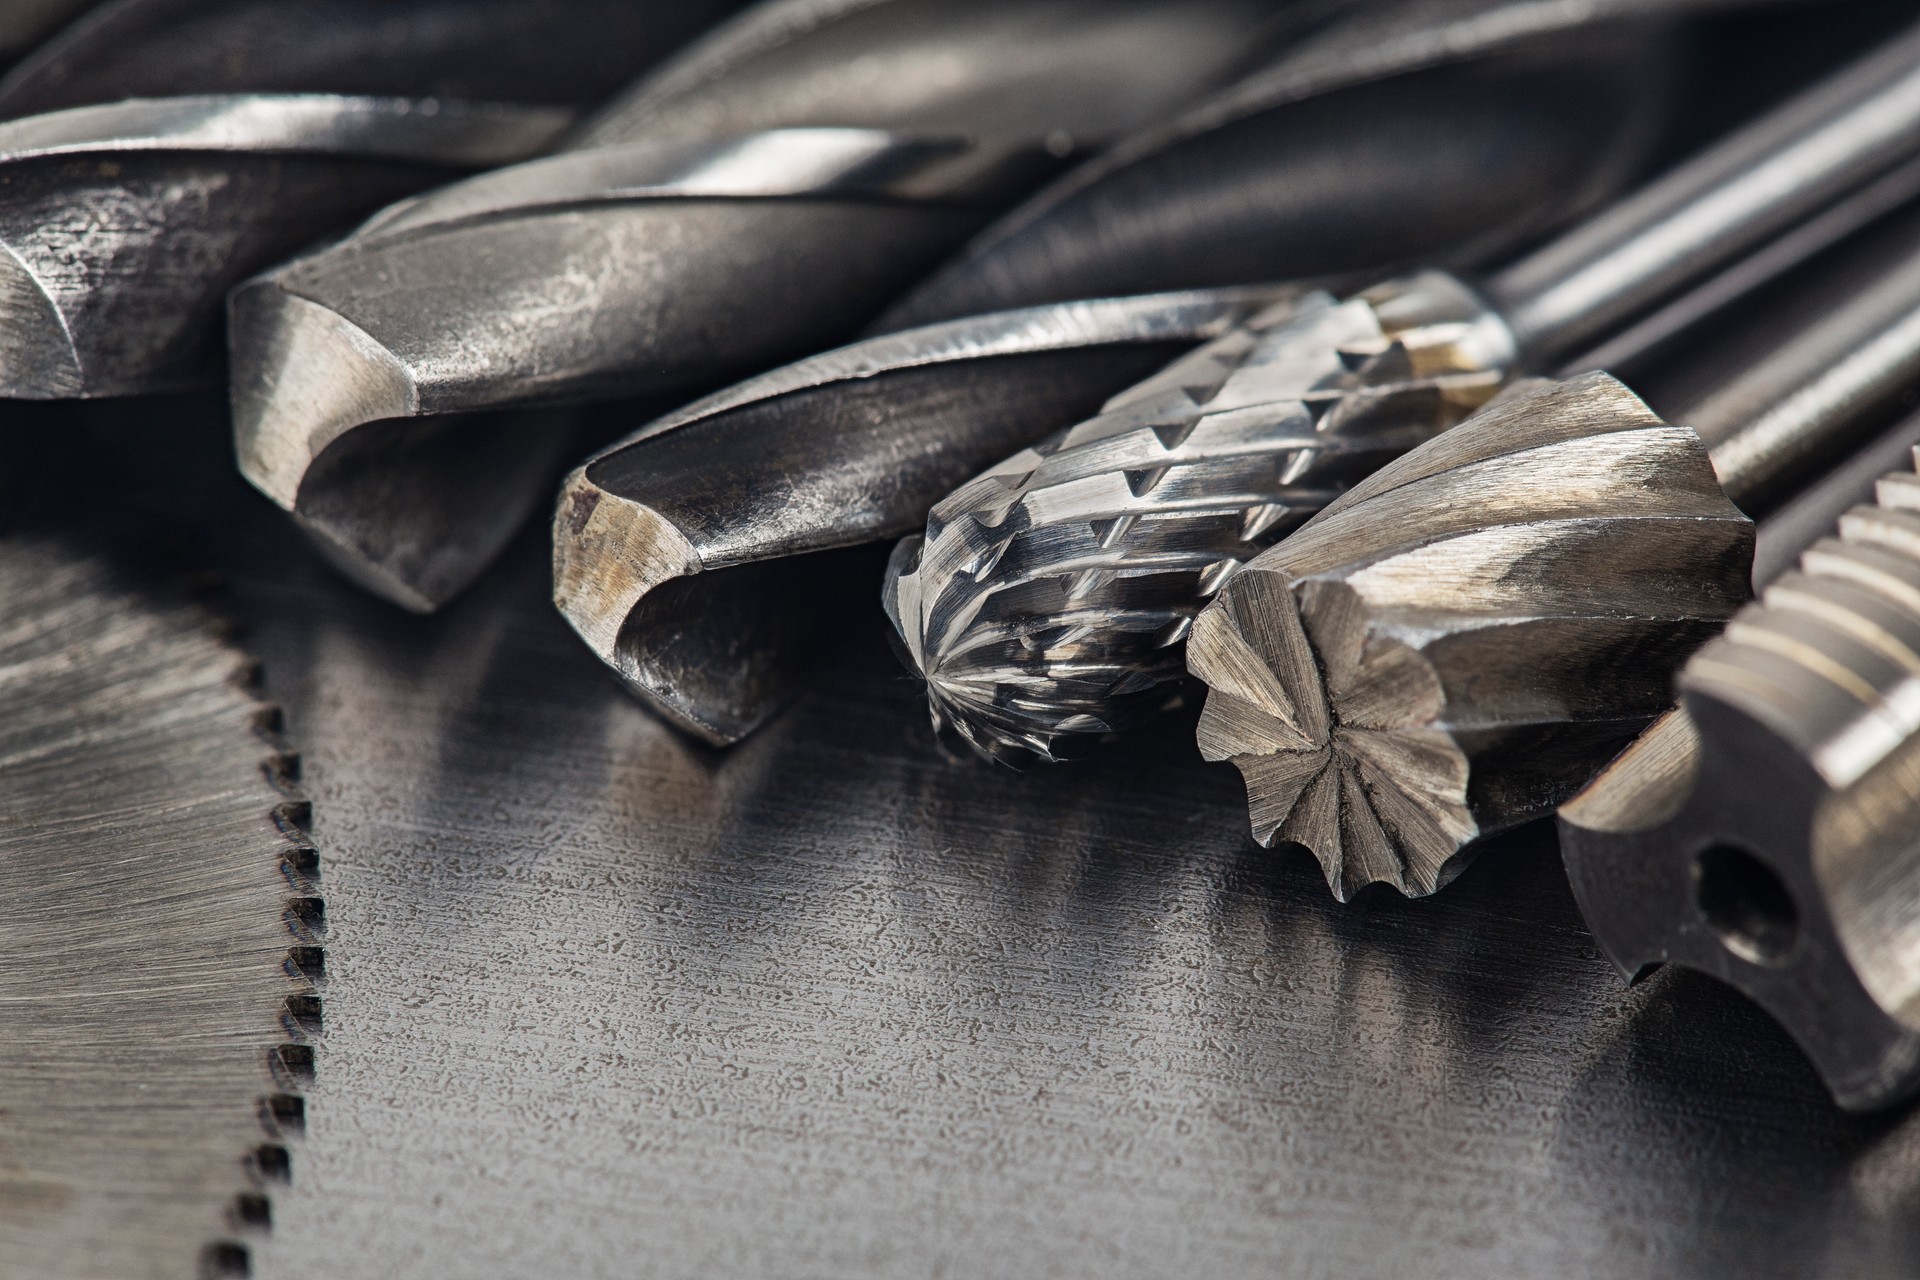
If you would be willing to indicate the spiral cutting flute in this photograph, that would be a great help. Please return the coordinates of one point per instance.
(1049, 597)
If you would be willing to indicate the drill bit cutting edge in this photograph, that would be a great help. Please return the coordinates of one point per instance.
(1455, 645)
(1051, 596)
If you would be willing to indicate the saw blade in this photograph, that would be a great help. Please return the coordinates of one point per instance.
(159, 930)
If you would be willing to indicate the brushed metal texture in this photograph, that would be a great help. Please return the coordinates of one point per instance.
(158, 931)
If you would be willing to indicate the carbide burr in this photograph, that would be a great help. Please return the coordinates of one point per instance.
(1048, 599)
(642, 285)
(125, 216)
(1764, 831)
(1457, 643)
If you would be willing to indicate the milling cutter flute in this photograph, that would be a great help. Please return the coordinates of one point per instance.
(1460, 641)
(1049, 597)
(1765, 831)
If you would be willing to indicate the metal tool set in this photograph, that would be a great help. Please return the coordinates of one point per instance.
(1383, 394)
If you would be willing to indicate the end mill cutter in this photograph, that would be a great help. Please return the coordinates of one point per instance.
(1455, 645)
(734, 212)
(1765, 831)
(1048, 600)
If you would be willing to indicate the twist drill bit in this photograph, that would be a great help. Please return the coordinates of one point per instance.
(755, 199)
(1457, 643)
(1047, 596)
(1763, 832)
(673, 549)
(124, 223)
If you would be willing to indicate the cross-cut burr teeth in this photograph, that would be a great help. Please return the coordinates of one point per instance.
(1457, 643)
(1766, 831)
(1049, 598)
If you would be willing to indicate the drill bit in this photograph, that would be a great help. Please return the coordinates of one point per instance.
(1762, 832)
(125, 222)
(653, 290)
(758, 197)
(1050, 597)
(1459, 641)
(672, 549)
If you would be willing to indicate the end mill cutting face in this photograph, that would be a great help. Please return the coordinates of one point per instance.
(1456, 644)
(1765, 833)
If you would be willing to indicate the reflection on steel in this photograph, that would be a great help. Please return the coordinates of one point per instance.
(1765, 831)
(1070, 636)
(672, 549)
(1459, 642)
(1049, 597)
(124, 225)
(754, 200)
(1369, 142)
(159, 911)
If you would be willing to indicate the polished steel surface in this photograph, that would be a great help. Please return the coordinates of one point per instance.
(157, 906)
(1764, 832)
(1334, 157)
(1079, 634)
(125, 224)
(674, 550)
(1461, 640)
(759, 198)
(1049, 599)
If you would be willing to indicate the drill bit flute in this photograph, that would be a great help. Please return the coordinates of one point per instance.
(1458, 642)
(1049, 597)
